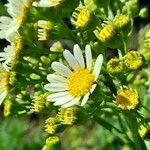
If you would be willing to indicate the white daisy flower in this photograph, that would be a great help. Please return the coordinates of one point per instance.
(4, 80)
(17, 8)
(8, 28)
(47, 3)
(73, 86)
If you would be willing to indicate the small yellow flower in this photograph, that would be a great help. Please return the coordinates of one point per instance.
(67, 115)
(133, 60)
(52, 143)
(115, 66)
(127, 98)
(81, 17)
(40, 103)
(105, 33)
(51, 125)
(120, 21)
(7, 108)
(145, 132)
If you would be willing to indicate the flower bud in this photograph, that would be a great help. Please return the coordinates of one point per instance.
(52, 143)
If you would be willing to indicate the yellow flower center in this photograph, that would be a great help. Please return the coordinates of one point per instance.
(127, 99)
(82, 18)
(80, 82)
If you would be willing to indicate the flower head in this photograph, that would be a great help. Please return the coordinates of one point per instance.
(39, 103)
(106, 32)
(52, 143)
(120, 21)
(81, 16)
(51, 125)
(133, 60)
(18, 9)
(115, 66)
(43, 29)
(67, 115)
(47, 3)
(75, 84)
(4, 84)
(127, 98)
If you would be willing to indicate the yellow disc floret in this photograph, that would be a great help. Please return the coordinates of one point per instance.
(80, 82)
(67, 115)
(121, 21)
(127, 98)
(133, 60)
(81, 17)
(51, 125)
(115, 65)
(39, 103)
(106, 32)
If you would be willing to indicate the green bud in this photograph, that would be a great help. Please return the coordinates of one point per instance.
(35, 76)
(31, 60)
(52, 143)
(143, 13)
(45, 60)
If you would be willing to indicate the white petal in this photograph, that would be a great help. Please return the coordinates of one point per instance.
(71, 103)
(53, 78)
(88, 56)
(78, 55)
(2, 96)
(53, 97)
(61, 69)
(98, 65)
(85, 98)
(55, 87)
(93, 88)
(63, 100)
(70, 59)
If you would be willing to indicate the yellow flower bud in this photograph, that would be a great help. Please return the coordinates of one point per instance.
(133, 60)
(105, 33)
(81, 17)
(115, 66)
(127, 98)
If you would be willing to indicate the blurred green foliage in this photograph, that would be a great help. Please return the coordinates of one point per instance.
(20, 134)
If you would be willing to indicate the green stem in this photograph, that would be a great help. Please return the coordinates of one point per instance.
(109, 83)
(113, 130)
(133, 127)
